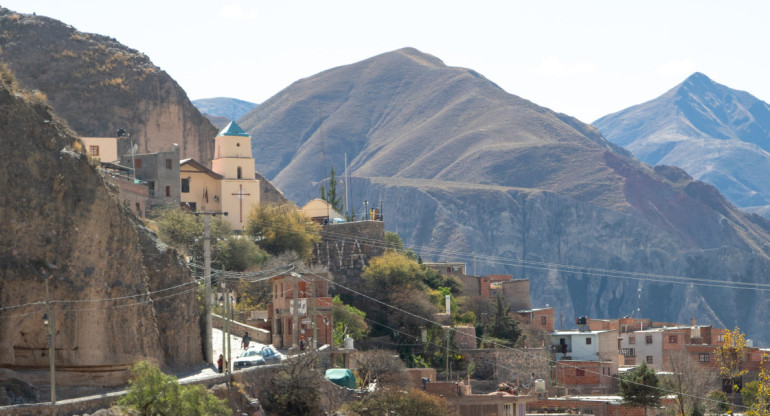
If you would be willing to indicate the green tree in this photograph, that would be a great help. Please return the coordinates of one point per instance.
(393, 241)
(759, 401)
(330, 195)
(502, 324)
(151, 393)
(237, 253)
(184, 231)
(639, 387)
(718, 402)
(397, 280)
(348, 320)
(279, 229)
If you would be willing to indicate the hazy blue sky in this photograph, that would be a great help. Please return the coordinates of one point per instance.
(583, 58)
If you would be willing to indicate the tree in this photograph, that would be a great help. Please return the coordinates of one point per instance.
(381, 366)
(330, 195)
(278, 229)
(759, 401)
(295, 389)
(236, 253)
(396, 401)
(689, 381)
(184, 231)
(729, 356)
(503, 325)
(348, 320)
(639, 387)
(151, 393)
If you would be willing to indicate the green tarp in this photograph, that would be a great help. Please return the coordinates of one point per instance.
(341, 377)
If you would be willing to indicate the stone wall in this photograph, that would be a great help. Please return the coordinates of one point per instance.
(509, 365)
(346, 248)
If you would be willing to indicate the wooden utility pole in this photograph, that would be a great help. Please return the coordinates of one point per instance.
(51, 343)
(207, 346)
(314, 313)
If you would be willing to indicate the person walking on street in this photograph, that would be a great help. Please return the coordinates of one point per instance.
(246, 340)
(220, 361)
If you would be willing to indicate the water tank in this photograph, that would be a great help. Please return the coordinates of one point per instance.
(539, 386)
(348, 343)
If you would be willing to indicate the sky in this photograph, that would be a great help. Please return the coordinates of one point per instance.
(583, 58)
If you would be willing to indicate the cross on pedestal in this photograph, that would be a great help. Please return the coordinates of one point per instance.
(240, 196)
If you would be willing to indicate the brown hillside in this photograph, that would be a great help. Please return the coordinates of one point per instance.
(99, 85)
(463, 167)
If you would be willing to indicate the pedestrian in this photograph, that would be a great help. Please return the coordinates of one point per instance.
(220, 361)
(302, 344)
(246, 340)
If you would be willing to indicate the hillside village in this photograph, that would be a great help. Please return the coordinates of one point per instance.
(556, 367)
(533, 267)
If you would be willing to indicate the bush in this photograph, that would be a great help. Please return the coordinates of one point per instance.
(151, 392)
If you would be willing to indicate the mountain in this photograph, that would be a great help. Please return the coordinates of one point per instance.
(99, 85)
(718, 135)
(468, 171)
(109, 276)
(232, 108)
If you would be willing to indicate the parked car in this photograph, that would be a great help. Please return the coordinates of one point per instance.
(248, 358)
(270, 354)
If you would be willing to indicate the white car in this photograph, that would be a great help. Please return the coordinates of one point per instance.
(248, 358)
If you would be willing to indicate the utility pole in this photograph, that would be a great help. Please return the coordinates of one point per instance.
(228, 314)
(207, 347)
(51, 341)
(314, 313)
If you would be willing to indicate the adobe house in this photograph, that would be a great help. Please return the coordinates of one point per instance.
(468, 404)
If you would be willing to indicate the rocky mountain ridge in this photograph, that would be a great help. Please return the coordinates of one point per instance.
(99, 85)
(466, 170)
(717, 134)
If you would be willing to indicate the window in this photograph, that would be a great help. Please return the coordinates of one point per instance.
(704, 358)
(139, 209)
(543, 320)
(93, 150)
(649, 359)
(185, 185)
(632, 340)
(648, 339)
(580, 372)
(588, 341)
(673, 339)
(168, 191)
(721, 338)
(168, 164)
(138, 164)
(239, 172)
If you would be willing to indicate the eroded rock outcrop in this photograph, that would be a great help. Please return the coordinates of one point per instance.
(60, 221)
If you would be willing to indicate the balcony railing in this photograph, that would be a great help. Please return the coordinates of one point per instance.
(627, 352)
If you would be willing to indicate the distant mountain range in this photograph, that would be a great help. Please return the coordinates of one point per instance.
(222, 110)
(718, 135)
(468, 171)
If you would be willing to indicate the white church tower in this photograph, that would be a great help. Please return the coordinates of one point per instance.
(233, 160)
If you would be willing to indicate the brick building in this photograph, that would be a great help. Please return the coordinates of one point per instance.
(288, 328)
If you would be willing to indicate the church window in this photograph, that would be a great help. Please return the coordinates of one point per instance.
(93, 150)
(168, 164)
(186, 185)
(240, 173)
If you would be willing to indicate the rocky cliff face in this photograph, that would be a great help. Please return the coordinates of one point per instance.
(119, 294)
(468, 172)
(99, 85)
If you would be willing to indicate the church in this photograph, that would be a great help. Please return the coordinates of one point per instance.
(230, 185)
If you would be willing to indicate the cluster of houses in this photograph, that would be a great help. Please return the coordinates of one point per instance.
(583, 362)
